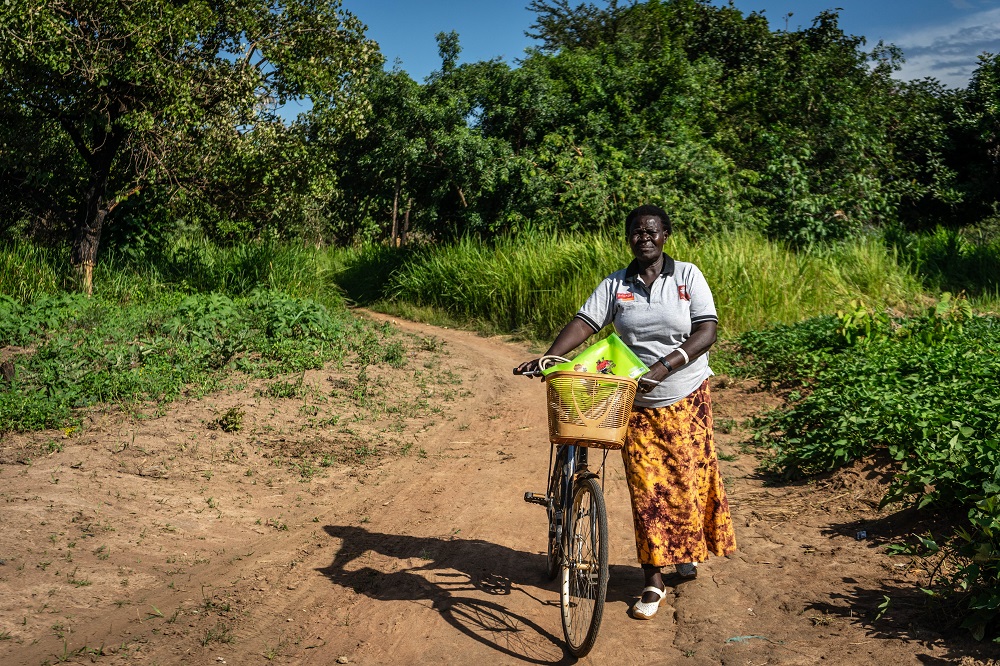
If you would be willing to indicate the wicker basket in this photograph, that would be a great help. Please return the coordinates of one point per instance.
(588, 409)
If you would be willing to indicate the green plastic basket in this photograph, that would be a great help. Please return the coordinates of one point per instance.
(610, 356)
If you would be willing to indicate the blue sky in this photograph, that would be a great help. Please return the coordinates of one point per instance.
(940, 38)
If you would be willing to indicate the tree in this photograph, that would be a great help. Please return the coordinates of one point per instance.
(37, 195)
(374, 170)
(981, 121)
(559, 25)
(146, 90)
(424, 156)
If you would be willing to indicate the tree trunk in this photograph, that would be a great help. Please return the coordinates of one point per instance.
(87, 234)
(406, 222)
(395, 216)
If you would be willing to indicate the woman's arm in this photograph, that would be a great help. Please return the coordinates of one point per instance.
(572, 336)
(703, 336)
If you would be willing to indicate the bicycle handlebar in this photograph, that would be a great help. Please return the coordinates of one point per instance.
(544, 362)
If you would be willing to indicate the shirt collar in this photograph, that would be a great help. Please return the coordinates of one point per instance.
(668, 268)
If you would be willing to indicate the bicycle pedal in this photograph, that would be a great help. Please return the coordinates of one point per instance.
(536, 498)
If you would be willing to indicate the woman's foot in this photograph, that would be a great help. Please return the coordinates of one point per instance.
(687, 570)
(645, 610)
(653, 578)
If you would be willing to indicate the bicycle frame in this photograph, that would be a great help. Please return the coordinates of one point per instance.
(576, 463)
(577, 541)
(574, 467)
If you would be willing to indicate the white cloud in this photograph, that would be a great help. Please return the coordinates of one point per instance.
(948, 52)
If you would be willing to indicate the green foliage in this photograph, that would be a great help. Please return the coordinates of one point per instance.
(84, 352)
(728, 124)
(19, 325)
(183, 265)
(27, 269)
(869, 380)
(951, 260)
(422, 161)
(975, 135)
(923, 390)
(39, 195)
(708, 112)
(230, 421)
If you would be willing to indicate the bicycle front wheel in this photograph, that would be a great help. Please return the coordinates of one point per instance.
(584, 567)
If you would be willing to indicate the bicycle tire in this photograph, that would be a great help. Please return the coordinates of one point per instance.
(552, 556)
(584, 583)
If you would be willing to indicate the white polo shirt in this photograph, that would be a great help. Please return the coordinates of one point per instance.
(653, 321)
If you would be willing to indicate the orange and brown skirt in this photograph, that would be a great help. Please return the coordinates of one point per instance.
(679, 504)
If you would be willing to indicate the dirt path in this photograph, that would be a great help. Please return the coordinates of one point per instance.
(165, 542)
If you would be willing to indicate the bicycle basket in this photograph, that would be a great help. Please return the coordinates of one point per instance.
(589, 409)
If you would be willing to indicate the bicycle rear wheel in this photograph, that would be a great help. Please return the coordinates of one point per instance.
(556, 518)
(584, 568)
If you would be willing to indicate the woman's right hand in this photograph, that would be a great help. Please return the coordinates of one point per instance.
(570, 337)
(529, 368)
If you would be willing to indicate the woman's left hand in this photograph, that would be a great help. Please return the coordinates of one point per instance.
(650, 380)
(657, 372)
(647, 385)
(529, 368)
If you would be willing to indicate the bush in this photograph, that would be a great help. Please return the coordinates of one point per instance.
(922, 389)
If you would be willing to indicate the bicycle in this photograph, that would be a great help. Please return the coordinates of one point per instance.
(577, 549)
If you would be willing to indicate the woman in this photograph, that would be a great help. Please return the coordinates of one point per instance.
(663, 310)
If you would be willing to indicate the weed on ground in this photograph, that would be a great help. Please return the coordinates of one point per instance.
(74, 352)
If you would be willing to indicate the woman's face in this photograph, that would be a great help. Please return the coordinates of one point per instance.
(646, 238)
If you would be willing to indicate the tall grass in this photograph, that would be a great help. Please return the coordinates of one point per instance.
(950, 260)
(527, 284)
(187, 266)
(532, 284)
(28, 270)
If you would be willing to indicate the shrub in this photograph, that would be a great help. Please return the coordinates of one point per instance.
(922, 389)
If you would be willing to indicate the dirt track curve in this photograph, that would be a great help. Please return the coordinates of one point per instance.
(163, 543)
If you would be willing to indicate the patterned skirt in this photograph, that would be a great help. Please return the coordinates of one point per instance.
(679, 504)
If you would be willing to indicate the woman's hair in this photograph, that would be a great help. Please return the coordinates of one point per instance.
(646, 210)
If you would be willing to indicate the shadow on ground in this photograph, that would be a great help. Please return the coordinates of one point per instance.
(910, 615)
(451, 569)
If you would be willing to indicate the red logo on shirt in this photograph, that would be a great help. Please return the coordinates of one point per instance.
(682, 292)
(625, 296)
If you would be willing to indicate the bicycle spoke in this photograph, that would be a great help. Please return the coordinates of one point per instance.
(585, 569)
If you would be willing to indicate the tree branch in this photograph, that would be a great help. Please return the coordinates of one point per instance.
(77, 140)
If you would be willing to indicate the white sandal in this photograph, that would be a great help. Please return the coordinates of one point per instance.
(645, 611)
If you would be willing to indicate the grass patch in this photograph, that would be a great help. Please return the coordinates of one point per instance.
(186, 266)
(85, 352)
(955, 261)
(220, 633)
(229, 421)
